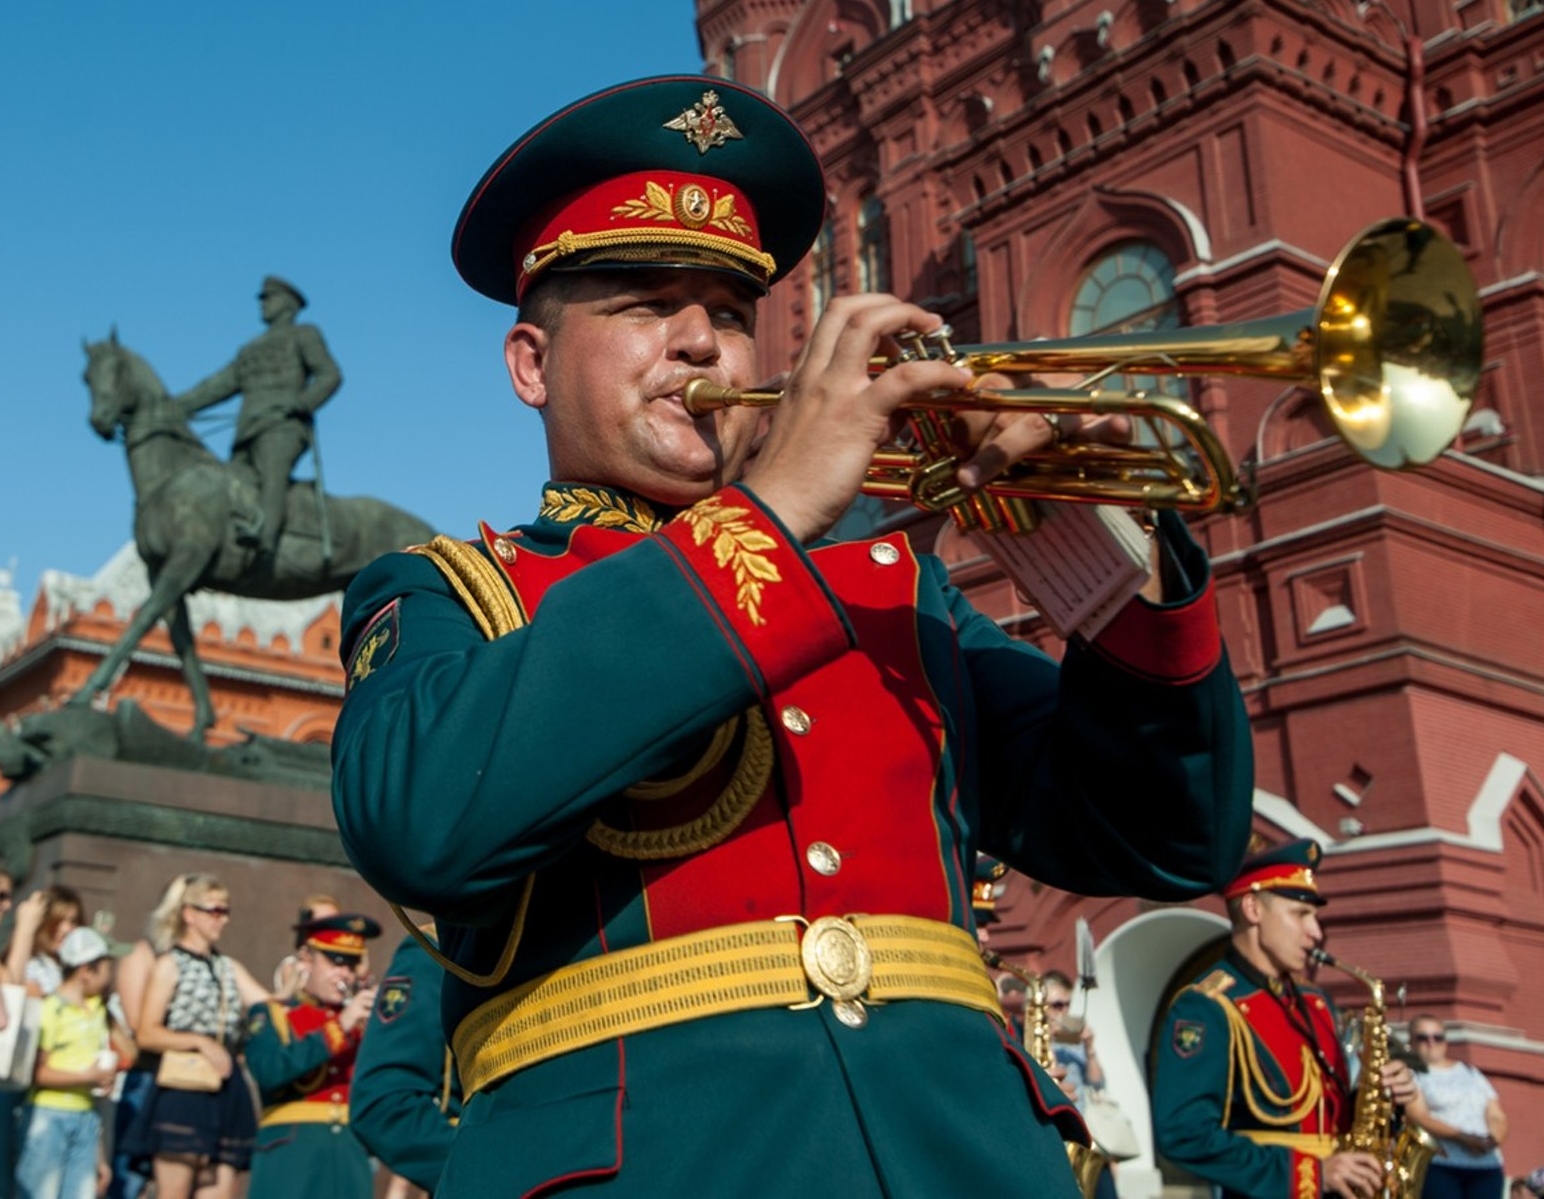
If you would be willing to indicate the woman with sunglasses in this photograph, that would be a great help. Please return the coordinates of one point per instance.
(1460, 1108)
(195, 1142)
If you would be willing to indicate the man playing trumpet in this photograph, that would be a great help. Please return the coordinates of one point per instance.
(646, 756)
(301, 1054)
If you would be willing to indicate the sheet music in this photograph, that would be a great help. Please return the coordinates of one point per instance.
(1079, 567)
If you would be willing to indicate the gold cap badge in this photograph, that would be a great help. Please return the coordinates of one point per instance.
(705, 123)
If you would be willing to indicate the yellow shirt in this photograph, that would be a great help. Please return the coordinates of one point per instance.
(72, 1037)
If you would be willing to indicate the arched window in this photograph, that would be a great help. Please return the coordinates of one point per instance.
(873, 246)
(1130, 290)
(823, 269)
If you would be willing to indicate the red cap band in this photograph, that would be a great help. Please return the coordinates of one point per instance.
(679, 217)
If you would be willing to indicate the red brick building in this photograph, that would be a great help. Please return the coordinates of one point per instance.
(273, 667)
(118, 831)
(1070, 166)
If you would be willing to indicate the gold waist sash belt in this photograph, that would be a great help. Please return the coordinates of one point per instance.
(313, 1111)
(788, 962)
(1314, 1144)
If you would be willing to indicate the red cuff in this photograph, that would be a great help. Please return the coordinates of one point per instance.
(763, 590)
(1178, 644)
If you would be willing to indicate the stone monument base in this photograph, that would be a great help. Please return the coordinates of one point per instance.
(118, 832)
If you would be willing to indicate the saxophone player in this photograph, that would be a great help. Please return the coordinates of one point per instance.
(1250, 1085)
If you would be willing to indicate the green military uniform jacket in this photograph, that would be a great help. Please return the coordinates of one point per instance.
(907, 731)
(302, 1061)
(1250, 1085)
(406, 1097)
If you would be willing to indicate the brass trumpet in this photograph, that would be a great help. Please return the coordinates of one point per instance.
(1393, 347)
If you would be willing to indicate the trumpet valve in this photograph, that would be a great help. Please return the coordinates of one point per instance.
(937, 345)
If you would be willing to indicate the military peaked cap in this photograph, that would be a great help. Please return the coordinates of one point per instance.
(274, 283)
(1288, 870)
(676, 171)
(344, 933)
(985, 887)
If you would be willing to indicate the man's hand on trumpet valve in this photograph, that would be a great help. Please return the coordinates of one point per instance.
(996, 440)
(821, 437)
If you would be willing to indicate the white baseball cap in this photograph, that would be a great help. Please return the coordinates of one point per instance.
(81, 947)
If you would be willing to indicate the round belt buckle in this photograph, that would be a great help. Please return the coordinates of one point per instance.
(836, 958)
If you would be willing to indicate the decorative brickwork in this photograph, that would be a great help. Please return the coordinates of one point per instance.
(1385, 627)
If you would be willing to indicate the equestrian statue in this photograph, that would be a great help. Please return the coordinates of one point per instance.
(200, 522)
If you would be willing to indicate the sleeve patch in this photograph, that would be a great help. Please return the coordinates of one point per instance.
(393, 999)
(1189, 1036)
(374, 647)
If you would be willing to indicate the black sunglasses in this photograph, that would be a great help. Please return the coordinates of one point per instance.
(212, 909)
(1429, 1037)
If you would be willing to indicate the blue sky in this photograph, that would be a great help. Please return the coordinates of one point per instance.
(160, 158)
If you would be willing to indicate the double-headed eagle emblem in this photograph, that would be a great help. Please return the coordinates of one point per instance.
(705, 123)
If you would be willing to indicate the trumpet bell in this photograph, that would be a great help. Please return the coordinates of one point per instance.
(1399, 343)
(1393, 347)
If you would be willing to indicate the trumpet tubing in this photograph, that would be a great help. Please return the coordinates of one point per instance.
(1393, 348)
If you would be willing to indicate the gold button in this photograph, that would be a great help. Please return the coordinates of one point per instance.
(797, 720)
(884, 553)
(823, 858)
(504, 549)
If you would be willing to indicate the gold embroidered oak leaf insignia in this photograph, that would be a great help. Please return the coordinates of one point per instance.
(653, 205)
(599, 508)
(736, 545)
(364, 660)
(658, 196)
(725, 217)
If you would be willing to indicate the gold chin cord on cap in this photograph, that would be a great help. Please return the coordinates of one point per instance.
(1393, 347)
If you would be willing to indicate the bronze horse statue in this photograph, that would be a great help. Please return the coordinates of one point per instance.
(185, 498)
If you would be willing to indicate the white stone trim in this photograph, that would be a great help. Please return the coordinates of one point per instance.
(1261, 250)
(1486, 811)
(123, 584)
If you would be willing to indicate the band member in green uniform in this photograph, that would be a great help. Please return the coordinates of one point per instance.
(646, 757)
(406, 1096)
(1251, 1086)
(301, 1054)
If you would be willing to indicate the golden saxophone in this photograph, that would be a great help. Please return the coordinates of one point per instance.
(1087, 1161)
(1405, 1151)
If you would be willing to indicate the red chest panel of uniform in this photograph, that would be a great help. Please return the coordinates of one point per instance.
(1286, 1044)
(852, 820)
(330, 1082)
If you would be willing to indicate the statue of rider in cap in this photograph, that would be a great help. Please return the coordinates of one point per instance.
(283, 376)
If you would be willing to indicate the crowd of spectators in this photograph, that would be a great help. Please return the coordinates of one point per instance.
(95, 1120)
